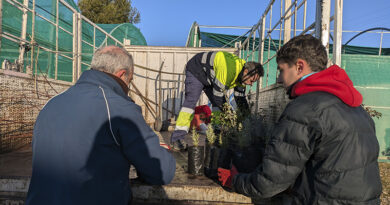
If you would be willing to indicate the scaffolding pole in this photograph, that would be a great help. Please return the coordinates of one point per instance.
(337, 35)
(380, 44)
(23, 32)
(269, 45)
(75, 46)
(56, 56)
(304, 16)
(1, 23)
(287, 21)
(29, 71)
(295, 17)
(322, 22)
(281, 24)
(260, 58)
(79, 44)
(195, 35)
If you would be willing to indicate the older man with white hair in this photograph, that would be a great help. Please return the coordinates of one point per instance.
(86, 138)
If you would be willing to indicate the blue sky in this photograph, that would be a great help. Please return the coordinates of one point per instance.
(167, 23)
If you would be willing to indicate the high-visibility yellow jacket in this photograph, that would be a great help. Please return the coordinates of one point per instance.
(222, 71)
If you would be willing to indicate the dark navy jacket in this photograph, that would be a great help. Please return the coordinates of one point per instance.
(81, 156)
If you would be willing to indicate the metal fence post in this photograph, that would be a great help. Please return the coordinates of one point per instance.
(260, 58)
(173, 87)
(79, 44)
(158, 122)
(196, 27)
(56, 56)
(75, 46)
(322, 22)
(287, 22)
(338, 32)
(304, 16)
(160, 112)
(295, 18)
(23, 33)
(380, 44)
(94, 39)
(281, 24)
(253, 45)
(1, 23)
(32, 39)
(269, 43)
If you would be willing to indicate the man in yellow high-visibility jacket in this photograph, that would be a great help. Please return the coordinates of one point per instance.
(214, 73)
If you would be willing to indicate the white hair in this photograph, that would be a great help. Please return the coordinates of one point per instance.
(111, 59)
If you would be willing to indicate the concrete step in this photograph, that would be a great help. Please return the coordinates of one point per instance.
(14, 189)
(15, 174)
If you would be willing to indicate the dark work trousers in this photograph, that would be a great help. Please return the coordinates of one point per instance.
(193, 89)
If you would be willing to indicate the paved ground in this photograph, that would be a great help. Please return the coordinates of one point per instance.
(17, 165)
(385, 176)
(16, 169)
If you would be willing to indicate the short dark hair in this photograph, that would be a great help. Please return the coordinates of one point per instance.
(305, 47)
(254, 68)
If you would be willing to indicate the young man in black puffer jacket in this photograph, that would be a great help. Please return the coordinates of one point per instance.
(323, 149)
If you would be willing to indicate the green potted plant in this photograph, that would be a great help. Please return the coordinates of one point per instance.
(226, 121)
(211, 153)
(242, 139)
(247, 153)
(195, 155)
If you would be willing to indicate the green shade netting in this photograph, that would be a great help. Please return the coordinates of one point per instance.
(45, 35)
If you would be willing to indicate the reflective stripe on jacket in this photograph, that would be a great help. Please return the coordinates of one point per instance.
(220, 70)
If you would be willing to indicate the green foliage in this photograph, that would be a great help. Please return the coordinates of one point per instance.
(373, 113)
(220, 139)
(226, 121)
(109, 11)
(195, 137)
(227, 118)
(239, 127)
(210, 134)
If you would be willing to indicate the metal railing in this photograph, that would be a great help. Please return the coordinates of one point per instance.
(287, 26)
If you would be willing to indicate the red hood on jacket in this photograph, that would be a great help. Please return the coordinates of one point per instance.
(332, 80)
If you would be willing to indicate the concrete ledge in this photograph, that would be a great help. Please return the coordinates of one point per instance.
(15, 189)
(184, 188)
(187, 193)
(14, 184)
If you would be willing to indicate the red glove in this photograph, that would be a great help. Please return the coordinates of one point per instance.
(225, 176)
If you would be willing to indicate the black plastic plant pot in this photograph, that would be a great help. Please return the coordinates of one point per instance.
(225, 158)
(195, 160)
(211, 161)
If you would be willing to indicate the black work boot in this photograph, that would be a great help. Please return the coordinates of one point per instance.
(179, 145)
